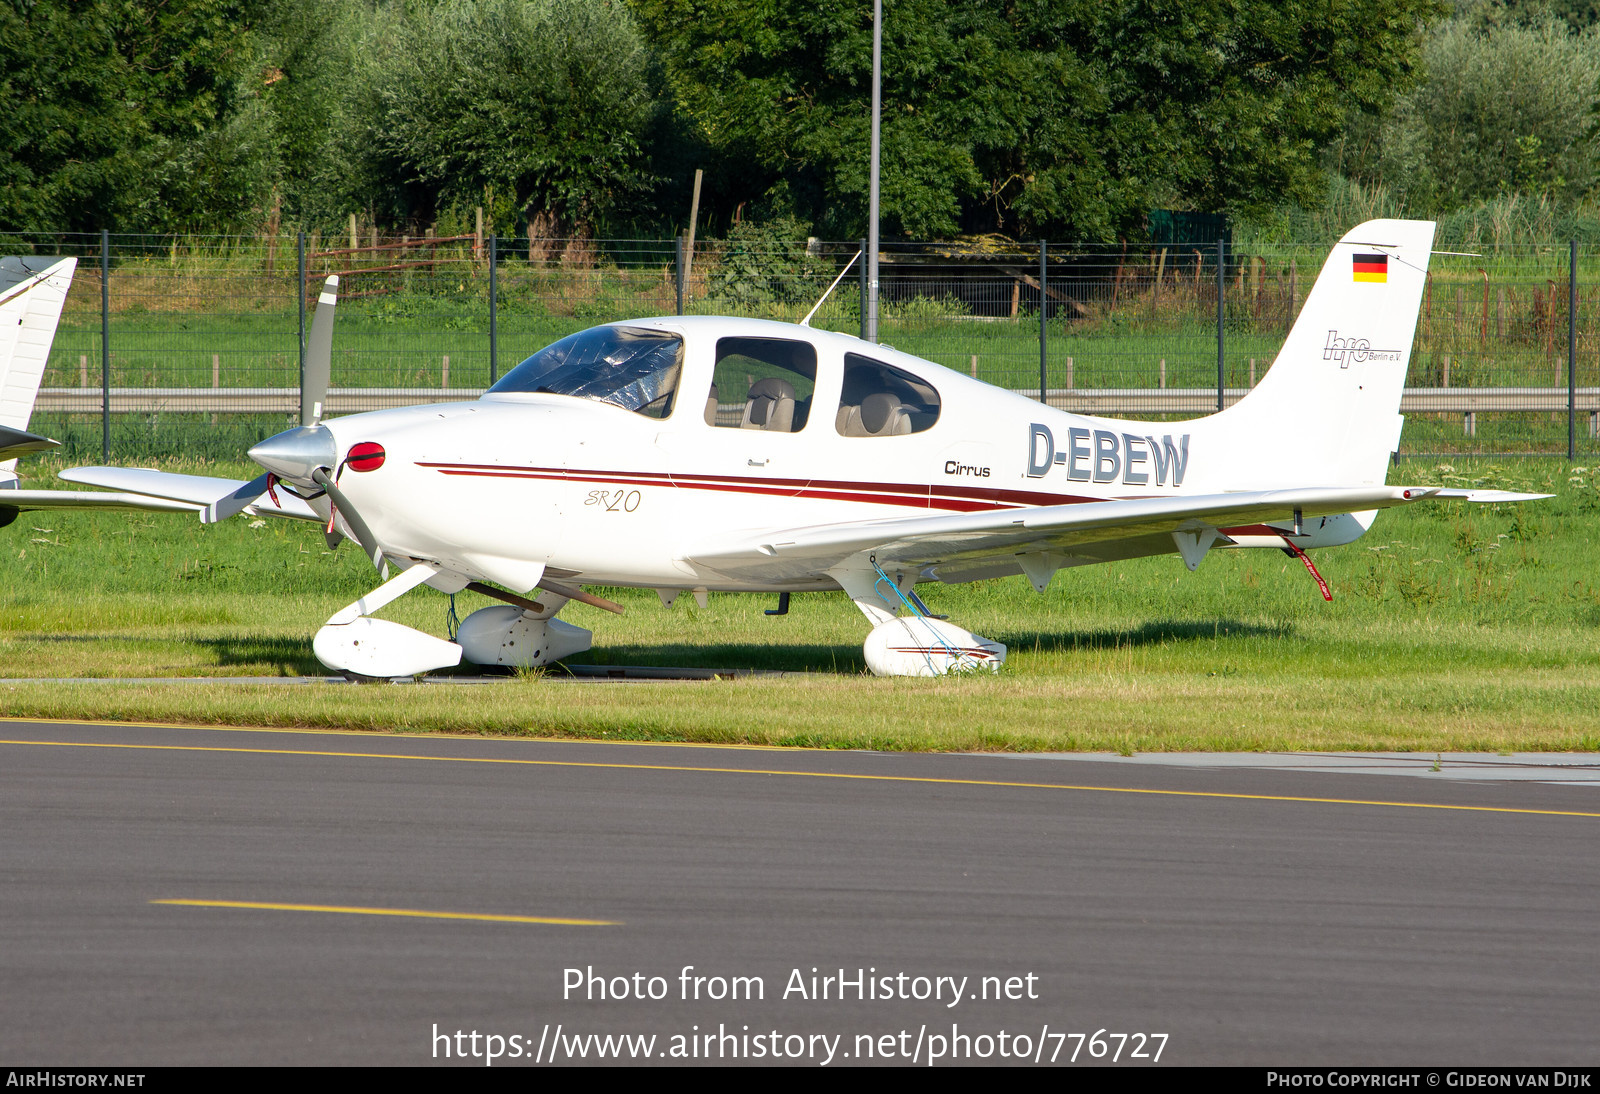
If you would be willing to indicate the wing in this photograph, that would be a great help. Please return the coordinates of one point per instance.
(143, 488)
(959, 546)
(13, 501)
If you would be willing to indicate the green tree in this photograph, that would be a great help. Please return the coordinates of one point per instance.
(1066, 117)
(545, 99)
(314, 79)
(1488, 14)
(1506, 108)
(131, 114)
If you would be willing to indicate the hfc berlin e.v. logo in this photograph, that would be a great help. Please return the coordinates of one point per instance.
(1346, 350)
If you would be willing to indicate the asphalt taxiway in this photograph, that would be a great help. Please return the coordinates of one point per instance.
(183, 895)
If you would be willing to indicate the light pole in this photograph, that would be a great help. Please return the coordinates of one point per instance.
(872, 202)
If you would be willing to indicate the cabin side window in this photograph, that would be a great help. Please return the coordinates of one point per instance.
(762, 383)
(879, 400)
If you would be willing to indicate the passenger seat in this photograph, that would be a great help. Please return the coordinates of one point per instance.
(770, 406)
(884, 415)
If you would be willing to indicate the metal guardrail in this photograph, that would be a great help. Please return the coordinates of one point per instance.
(1469, 402)
(1105, 402)
(241, 400)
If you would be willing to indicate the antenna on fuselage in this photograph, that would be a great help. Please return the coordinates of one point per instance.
(806, 322)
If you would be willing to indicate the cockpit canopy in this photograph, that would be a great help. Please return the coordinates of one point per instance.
(630, 367)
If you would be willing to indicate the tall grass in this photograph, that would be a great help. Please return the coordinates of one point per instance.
(1500, 225)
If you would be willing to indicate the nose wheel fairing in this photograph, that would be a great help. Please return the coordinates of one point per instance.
(380, 648)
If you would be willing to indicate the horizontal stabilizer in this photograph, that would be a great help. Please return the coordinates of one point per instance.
(19, 442)
(1488, 495)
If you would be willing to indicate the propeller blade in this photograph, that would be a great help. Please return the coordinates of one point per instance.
(236, 502)
(364, 536)
(319, 354)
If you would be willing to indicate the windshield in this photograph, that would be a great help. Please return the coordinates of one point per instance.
(629, 367)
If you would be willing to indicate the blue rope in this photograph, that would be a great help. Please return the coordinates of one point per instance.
(883, 577)
(452, 622)
(915, 611)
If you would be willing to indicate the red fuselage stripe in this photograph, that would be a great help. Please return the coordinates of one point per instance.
(977, 652)
(963, 499)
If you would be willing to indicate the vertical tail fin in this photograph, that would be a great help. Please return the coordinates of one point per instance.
(32, 293)
(1329, 407)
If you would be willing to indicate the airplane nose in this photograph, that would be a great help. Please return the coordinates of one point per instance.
(295, 453)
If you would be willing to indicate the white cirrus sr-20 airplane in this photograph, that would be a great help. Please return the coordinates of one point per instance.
(701, 453)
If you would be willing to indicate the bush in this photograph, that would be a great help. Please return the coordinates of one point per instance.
(547, 100)
(1504, 110)
(768, 263)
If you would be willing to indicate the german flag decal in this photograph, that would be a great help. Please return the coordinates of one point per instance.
(1370, 267)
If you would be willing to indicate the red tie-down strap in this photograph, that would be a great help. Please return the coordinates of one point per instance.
(333, 510)
(1290, 548)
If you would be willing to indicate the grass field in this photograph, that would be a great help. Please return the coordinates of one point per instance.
(1452, 627)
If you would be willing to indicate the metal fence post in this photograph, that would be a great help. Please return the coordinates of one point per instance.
(300, 282)
(1572, 352)
(1044, 311)
(1222, 337)
(863, 278)
(494, 309)
(105, 345)
(678, 272)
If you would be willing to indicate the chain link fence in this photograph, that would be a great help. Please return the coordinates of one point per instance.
(199, 340)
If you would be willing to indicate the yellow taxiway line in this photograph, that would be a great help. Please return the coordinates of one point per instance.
(412, 913)
(811, 774)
